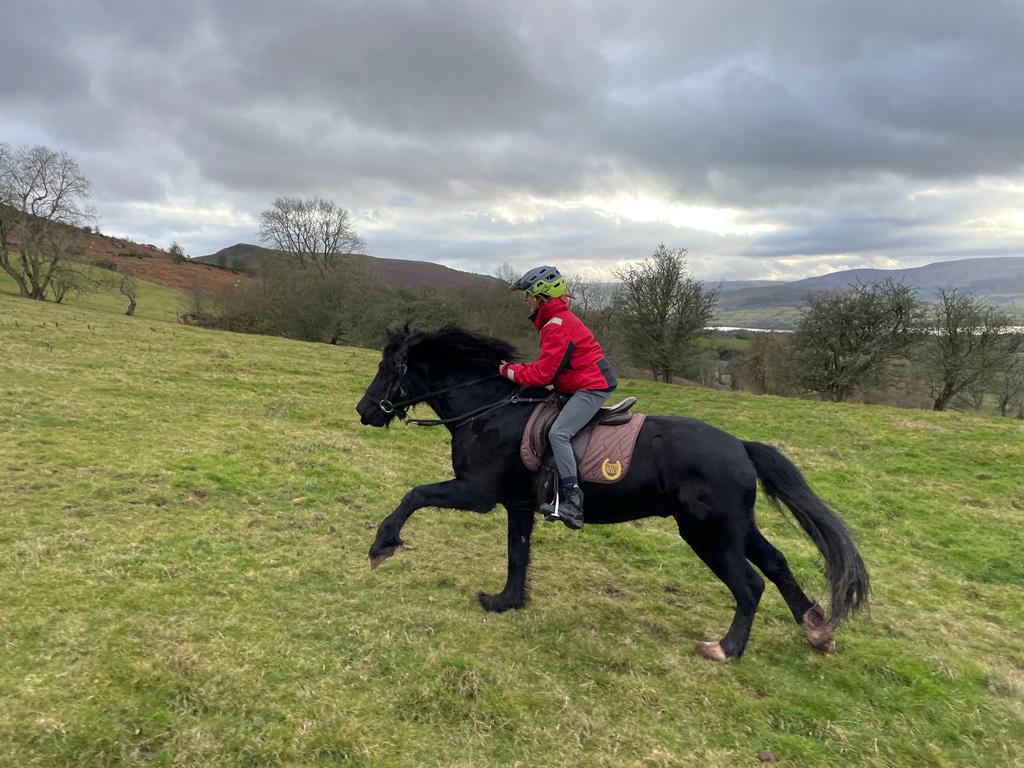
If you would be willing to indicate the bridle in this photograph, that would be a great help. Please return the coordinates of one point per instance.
(385, 403)
(401, 408)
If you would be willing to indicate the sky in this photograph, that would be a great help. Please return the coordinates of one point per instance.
(773, 140)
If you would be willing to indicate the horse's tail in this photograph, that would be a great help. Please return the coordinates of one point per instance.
(844, 567)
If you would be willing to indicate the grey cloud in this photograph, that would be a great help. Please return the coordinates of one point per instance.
(780, 109)
(419, 68)
(36, 58)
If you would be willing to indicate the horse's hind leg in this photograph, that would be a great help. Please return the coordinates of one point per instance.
(806, 613)
(723, 553)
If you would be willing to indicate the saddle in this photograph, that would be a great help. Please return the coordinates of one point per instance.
(603, 448)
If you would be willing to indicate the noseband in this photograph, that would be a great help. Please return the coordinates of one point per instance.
(389, 407)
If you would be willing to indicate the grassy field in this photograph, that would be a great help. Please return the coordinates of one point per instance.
(785, 318)
(155, 302)
(184, 520)
(719, 343)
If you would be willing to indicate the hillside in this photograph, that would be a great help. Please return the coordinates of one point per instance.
(155, 265)
(162, 281)
(999, 281)
(394, 272)
(185, 516)
(148, 262)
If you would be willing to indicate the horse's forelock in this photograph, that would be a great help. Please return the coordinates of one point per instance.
(399, 342)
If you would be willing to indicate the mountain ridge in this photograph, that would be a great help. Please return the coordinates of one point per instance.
(405, 273)
(997, 280)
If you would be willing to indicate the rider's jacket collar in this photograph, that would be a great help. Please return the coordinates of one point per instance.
(547, 310)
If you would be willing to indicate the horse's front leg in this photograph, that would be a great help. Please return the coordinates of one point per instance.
(520, 527)
(451, 494)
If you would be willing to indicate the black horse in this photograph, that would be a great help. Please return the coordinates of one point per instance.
(682, 468)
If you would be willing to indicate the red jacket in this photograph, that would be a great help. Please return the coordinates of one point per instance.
(570, 358)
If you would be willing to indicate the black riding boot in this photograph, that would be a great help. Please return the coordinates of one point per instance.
(570, 507)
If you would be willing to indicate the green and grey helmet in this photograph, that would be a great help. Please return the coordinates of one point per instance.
(541, 281)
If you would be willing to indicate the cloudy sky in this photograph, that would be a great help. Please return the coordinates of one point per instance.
(773, 139)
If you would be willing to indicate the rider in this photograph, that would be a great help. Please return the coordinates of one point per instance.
(571, 360)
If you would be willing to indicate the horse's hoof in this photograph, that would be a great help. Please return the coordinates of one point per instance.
(712, 651)
(496, 603)
(819, 631)
(380, 557)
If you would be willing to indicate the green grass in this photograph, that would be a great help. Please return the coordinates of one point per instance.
(155, 302)
(184, 520)
(718, 343)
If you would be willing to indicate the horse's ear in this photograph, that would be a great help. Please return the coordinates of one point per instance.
(404, 340)
(399, 333)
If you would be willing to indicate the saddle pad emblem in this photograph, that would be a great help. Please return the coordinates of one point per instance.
(611, 472)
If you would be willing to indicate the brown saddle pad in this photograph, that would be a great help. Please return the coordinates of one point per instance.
(603, 448)
(610, 451)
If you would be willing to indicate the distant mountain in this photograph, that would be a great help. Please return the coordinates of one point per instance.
(725, 286)
(999, 281)
(395, 272)
(983, 277)
(241, 256)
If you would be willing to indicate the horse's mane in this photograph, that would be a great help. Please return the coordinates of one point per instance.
(451, 347)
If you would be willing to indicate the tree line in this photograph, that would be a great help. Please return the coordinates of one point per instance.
(881, 342)
(877, 342)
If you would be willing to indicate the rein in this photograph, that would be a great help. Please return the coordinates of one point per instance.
(512, 399)
(400, 409)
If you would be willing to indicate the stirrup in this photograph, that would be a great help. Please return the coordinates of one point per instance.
(552, 515)
(573, 518)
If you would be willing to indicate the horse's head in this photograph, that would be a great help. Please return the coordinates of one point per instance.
(414, 363)
(390, 385)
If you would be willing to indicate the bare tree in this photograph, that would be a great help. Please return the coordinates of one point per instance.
(129, 290)
(72, 275)
(970, 343)
(1010, 385)
(764, 363)
(846, 341)
(662, 308)
(316, 232)
(589, 294)
(42, 195)
(507, 274)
